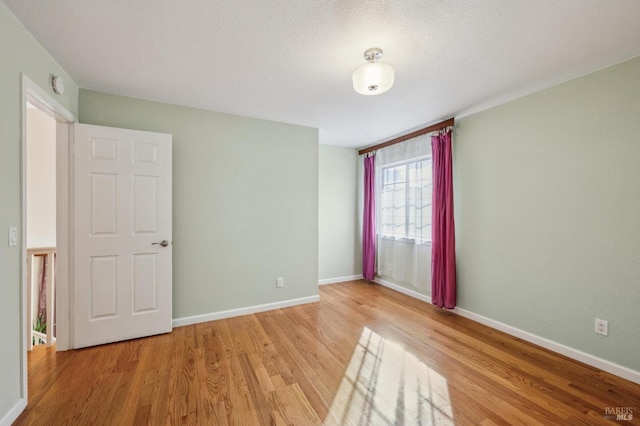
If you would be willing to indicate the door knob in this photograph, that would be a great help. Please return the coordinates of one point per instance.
(162, 243)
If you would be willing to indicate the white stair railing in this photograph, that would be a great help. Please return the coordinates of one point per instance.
(49, 253)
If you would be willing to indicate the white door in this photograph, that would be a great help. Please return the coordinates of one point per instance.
(122, 234)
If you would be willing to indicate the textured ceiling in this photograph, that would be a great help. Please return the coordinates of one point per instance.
(291, 61)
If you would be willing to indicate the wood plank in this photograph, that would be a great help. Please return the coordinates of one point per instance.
(363, 355)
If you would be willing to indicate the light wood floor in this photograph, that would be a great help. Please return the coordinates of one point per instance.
(363, 355)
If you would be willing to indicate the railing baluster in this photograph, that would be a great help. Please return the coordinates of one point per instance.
(29, 301)
(50, 285)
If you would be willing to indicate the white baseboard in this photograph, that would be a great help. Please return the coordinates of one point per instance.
(594, 361)
(403, 290)
(576, 354)
(179, 322)
(339, 279)
(14, 413)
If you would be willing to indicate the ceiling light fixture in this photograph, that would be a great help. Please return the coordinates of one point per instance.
(373, 78)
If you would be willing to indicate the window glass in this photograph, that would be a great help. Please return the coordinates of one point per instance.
(405, 200)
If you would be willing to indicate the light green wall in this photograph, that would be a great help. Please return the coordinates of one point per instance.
(547, 200)
(245, 202)
(19, 52)
(339, 253)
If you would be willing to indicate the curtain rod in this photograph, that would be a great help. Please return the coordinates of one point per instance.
(434, 128)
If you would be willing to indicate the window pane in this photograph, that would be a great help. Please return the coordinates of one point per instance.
(405, 201)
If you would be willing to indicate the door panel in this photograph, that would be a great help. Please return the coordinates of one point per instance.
(122, 206)
(145, 283)
(104, 193)
(145, 189)
(103, 286)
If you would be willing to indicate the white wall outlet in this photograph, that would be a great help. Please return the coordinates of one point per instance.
(279, 282)
(13, 236)
(602, 327)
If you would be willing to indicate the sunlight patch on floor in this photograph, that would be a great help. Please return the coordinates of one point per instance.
(384, 385)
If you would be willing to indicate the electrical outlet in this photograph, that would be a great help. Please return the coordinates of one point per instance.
(602, 327)
(279, 282)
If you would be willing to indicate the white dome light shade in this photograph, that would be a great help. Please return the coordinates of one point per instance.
(373, 78)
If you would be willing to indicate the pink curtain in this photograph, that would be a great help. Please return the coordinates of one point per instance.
(369, 222)
(443, 249)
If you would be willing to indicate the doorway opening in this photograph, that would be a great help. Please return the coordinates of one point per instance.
(40, 226)
(47, 162)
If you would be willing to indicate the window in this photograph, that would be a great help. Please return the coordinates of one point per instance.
(405, 200)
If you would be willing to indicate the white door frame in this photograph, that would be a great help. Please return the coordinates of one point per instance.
(31, 92)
